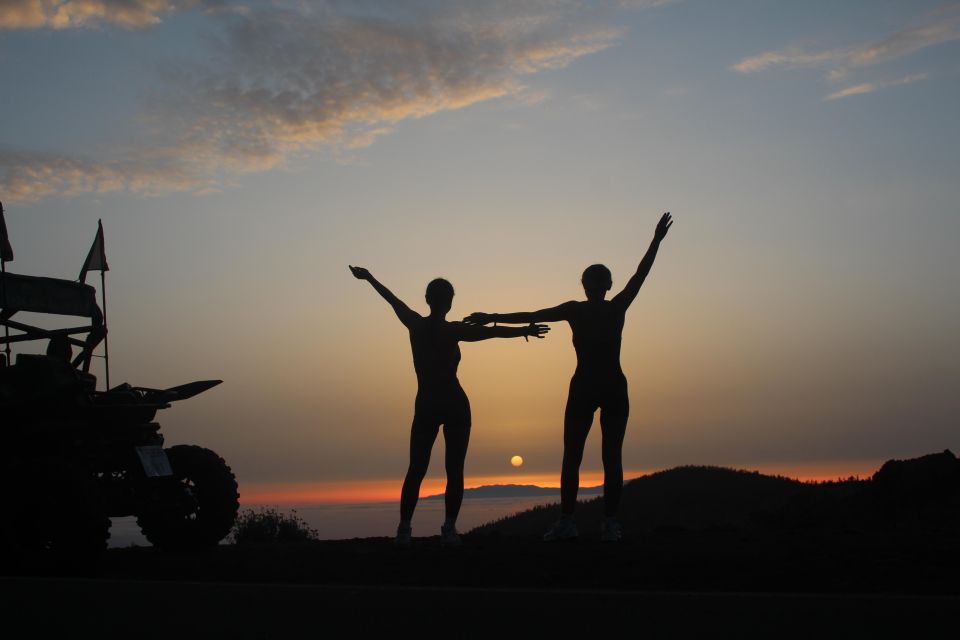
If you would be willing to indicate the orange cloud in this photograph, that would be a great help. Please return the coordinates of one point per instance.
(71, 14)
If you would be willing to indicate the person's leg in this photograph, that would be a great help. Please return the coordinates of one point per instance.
(613, 427)
(422, 436)
(576, 426)
(456, 438)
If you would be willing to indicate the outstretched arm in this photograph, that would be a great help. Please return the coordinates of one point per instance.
(630, 291)
(553, 314)
(475, 333)
(406, 315)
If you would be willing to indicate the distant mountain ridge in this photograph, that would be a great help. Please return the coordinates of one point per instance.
(515, 491)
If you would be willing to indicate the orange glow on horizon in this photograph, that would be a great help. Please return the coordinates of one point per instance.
(356, 491)
(364, 491)
(820, 471)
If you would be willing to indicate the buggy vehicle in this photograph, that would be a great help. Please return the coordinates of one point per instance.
(74, 456)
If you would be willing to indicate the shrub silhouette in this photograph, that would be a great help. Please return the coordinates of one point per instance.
(268, 525)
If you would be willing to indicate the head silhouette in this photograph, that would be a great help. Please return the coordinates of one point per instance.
(596, 281)
(59, 348)
(439, 296)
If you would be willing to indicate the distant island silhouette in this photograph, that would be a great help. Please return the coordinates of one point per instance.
(515, 491)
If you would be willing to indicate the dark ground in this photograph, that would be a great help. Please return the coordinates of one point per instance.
(914, 564)
(666, 584)
(71, 608)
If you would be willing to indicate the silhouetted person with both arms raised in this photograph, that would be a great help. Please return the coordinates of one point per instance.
(598, 383)
(440, 398)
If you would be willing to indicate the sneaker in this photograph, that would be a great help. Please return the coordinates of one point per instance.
(611, 530)
(449, 536)
(563, 529)
(404, 536)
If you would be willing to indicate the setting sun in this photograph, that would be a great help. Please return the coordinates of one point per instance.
(516, 461)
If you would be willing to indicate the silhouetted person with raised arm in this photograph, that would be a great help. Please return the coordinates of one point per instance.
(598, 383)
(440, 398)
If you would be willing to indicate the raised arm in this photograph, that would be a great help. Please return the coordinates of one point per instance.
(406, 315)
(475, 332)
(553, 314)
(630, 291)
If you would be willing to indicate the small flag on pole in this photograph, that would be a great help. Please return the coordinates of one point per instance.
(97, 258)
(6, 251)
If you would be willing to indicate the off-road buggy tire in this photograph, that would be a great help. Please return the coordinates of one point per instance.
(212, 489)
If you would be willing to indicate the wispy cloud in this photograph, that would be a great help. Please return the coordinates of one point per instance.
(283, 82)
(788, 58)
(28, 176)
(937, 28)
(870, 87)
(643, 4)
(72, 14)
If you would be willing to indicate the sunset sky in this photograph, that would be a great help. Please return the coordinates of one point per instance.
(802, 315)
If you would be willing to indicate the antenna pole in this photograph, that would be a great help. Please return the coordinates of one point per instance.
(106, 333)
(6, 329)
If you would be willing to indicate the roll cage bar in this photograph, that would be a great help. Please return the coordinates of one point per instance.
(52, 296)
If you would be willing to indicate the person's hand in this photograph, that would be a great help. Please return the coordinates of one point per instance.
(360, 273)
(537, 330)
(666, 221)
(478, 318)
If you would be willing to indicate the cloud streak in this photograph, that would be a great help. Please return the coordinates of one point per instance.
(788, 59)
(282, 82)
(939, 28)
(870, 87)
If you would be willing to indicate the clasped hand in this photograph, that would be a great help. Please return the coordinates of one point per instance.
(537, 330)
(478, 318)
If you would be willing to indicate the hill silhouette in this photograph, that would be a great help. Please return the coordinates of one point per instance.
(922, 493)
